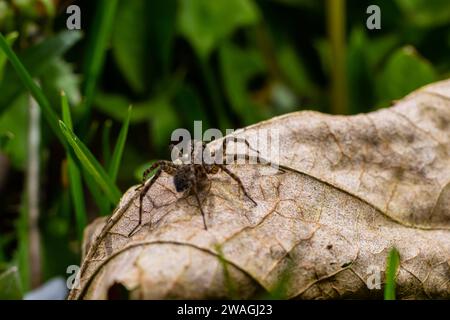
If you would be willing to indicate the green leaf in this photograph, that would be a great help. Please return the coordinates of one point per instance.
(118, 149)
(76, 188)
(35, 61)
(116, 107)
(58, 77)
(206, 23)
(392, 265)
(397, 79)
(238, 67)
(426, 13)
(10, 285)
(163, 123)
(91, 165)
(100, 32)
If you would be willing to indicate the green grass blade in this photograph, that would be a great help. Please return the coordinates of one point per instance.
(98, 196)
(76, 188)
(98, 40)
(118, 149)
(10, 38)
(38, 94)
(393, 263)
(91, 165)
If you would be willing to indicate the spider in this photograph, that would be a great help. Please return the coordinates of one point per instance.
(191, 174)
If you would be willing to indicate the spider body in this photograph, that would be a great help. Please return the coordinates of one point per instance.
(192, 175)
(186, 175)
(183, 178)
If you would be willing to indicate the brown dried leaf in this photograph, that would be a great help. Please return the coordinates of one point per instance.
(358, 186)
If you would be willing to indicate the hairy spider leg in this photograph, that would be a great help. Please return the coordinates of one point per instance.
(162, 165)
(200, 206)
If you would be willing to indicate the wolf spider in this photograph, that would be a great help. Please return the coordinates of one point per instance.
(190, 175)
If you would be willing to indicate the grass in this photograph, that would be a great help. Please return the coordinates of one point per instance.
(64, 130)
(118, 150)
(75, 184)
(392, 265)
(91, 165)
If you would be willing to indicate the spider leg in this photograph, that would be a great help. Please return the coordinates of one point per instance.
(238, 180)
(163, 165)
(200, 205)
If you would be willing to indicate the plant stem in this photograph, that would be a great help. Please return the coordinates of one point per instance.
(336, 34)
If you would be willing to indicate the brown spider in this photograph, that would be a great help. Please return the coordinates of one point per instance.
(190, 174)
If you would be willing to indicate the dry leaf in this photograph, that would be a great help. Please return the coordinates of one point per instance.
(358, 186)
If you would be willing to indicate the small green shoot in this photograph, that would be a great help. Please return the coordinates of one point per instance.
(392, 265)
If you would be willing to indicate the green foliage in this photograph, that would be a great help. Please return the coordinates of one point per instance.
(118, 150)
(426, 13)
(91, 165)
(37, 93)
(238, 68)
(33, 63)
(12, 124)
(198, 21)
(10, 38)
(76, 188)
(397, 80)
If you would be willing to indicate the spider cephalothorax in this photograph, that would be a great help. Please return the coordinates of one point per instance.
(190, 171)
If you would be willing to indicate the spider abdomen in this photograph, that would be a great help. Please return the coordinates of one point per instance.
(183, 179)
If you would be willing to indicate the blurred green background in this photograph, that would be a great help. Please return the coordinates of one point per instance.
(229, 63)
